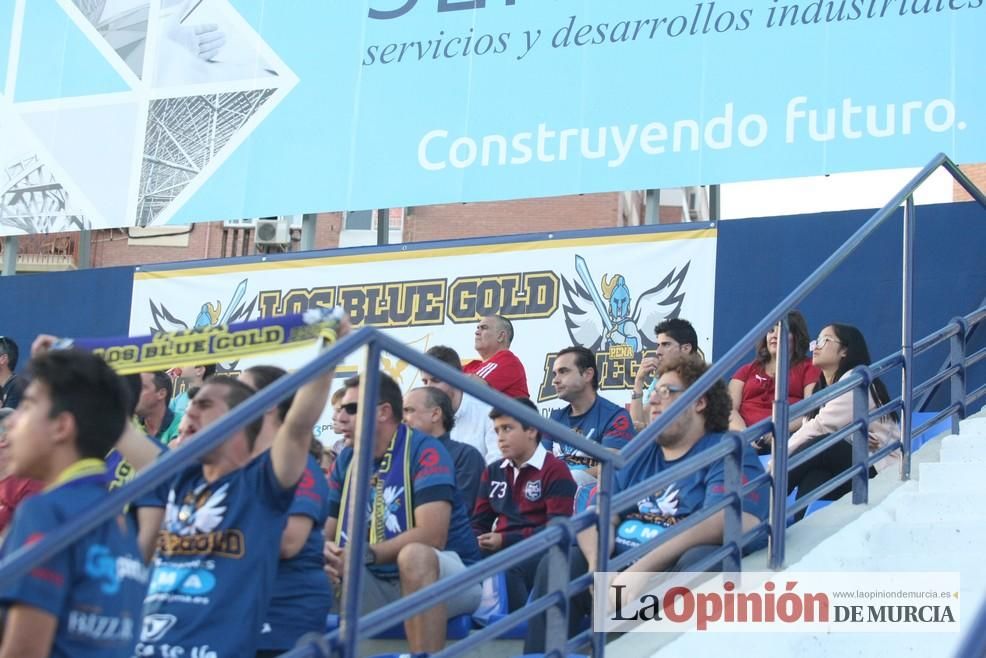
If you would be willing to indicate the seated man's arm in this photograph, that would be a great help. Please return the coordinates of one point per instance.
(431, 523)
(29, 632)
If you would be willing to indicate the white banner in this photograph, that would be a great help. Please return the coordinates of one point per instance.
(606, 292)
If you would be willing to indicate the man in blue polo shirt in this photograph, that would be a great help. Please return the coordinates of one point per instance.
(419, 529)
(699, 427)
(86, 600)
(217, 553)
(576, 380)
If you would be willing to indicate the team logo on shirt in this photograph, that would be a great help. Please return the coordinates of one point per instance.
(601, 318)
(532, 490)
(191, 527)
(664, 505)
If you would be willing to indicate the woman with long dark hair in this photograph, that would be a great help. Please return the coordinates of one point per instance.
(752, 387)
(838, 349)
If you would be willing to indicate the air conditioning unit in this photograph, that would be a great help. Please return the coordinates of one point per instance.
(272, 231)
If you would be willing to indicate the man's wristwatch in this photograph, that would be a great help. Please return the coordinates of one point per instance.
(369, 557)
(636, 396)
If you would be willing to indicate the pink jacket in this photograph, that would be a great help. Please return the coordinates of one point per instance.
(836, 414)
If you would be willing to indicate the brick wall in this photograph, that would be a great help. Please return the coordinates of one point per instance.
(443, 222)
(462, 220)
(976, 172)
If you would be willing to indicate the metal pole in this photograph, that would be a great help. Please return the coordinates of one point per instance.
(733, 526)
(781, 418)
(604, 507)
(383, 226)
(359, 500)
(652, 207)
(10, 255)
(860, 440)
(85, 250)
(956, 356)
(308, 221)
(906, 339)
(714, 203)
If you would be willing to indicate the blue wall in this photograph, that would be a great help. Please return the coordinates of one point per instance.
(759, 262)
(83, 303)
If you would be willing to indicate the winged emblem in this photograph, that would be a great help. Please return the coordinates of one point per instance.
(195, 515)
(209, 314)
(600, 319)
(392, 501)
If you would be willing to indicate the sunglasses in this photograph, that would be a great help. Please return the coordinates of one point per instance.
(821, 342)
(350, 408)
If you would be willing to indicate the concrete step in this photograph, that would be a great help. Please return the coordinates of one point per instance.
(973, 426)
(936, 539)
(965, 452)
(952, 477)
(938, 508)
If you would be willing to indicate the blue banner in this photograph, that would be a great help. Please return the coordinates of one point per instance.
(133, 112)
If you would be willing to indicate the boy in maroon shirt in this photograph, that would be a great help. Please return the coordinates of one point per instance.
(519, 495)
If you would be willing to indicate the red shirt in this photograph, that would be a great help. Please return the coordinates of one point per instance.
(757, 402)
(503, 371)
(12, 491)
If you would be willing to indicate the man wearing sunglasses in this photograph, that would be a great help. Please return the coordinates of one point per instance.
(11, 386)
(419, 530)
(698, 427)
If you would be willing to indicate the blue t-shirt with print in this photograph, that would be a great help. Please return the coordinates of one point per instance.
(213, 571)
(605, 422)
(433, 473)
(302, 594)
(95, 587)
(654, 514)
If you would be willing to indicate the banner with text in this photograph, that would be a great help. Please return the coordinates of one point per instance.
(606, 292)
(152, 112)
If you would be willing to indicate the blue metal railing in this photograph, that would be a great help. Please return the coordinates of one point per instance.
(557, 538)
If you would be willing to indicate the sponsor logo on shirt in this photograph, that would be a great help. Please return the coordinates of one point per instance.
(532, 490)
(100, 627)
(182, 581)
(155, 626)
(102, 565)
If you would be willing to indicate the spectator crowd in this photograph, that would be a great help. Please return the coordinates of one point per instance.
(253, 536)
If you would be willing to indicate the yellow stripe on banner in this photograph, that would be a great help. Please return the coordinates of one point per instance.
(437, 252)
(168, 361)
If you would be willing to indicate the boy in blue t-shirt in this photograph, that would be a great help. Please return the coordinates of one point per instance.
(85, 601)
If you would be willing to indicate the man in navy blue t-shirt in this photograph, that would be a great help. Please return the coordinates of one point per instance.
(576, 380)
(218, 550)
(419, 529)
(697, 428)
(85, 601)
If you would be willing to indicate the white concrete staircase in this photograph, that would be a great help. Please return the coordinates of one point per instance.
(935, 522)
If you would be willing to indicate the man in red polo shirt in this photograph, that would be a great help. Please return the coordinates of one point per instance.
(497, 365)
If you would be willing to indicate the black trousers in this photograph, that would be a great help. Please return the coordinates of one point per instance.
(580, 605)
(821, 468)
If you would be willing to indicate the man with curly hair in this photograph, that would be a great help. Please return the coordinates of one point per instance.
(699, 427)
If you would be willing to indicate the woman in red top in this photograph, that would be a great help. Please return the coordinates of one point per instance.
(752, 387)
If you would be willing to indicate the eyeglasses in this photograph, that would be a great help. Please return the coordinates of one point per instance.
(664, 391)
(350, 408)
(822, 341)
